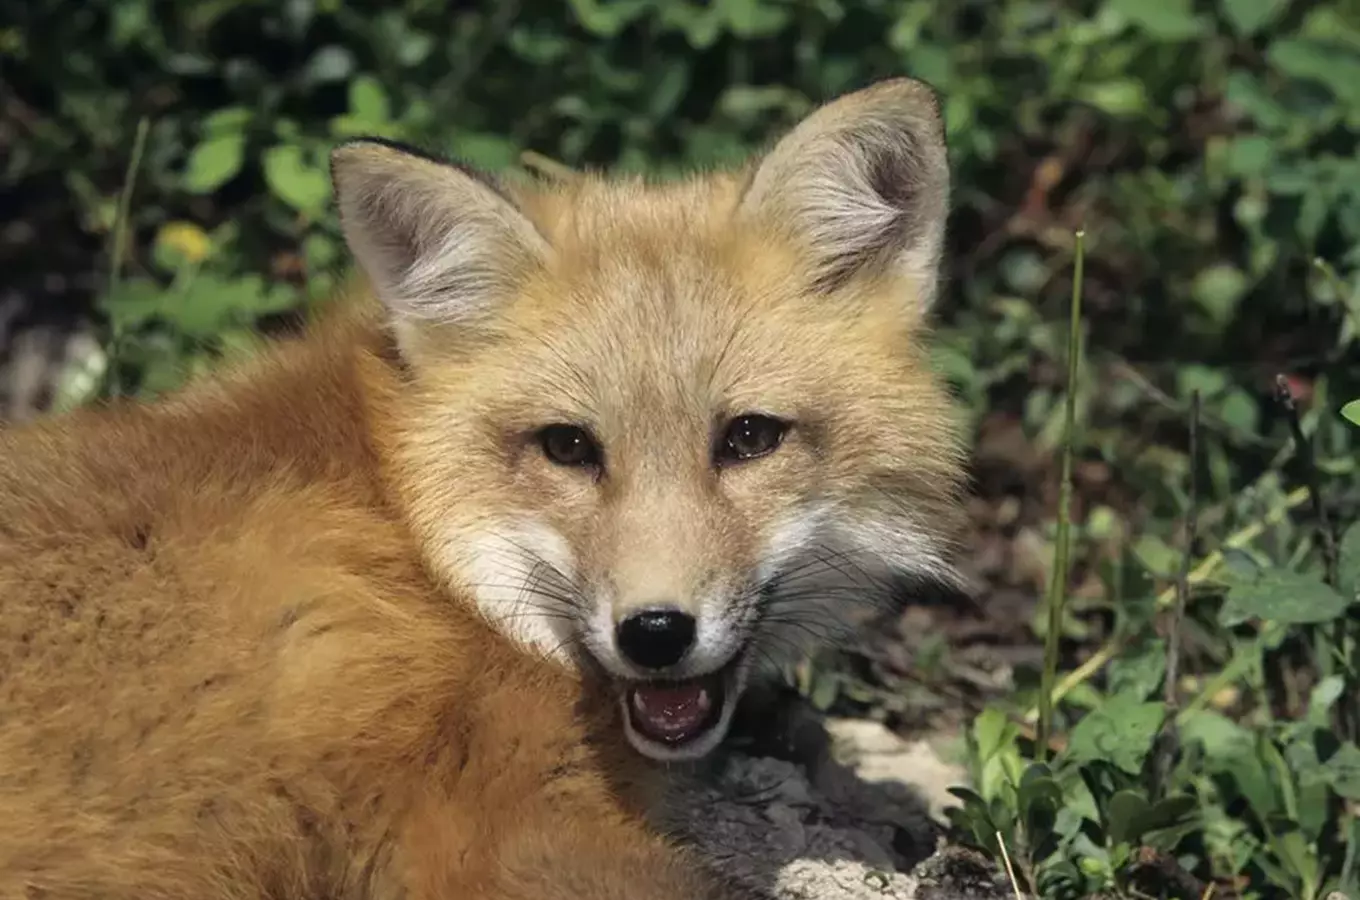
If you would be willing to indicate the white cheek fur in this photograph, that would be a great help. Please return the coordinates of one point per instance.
(510, 570)
(825, 566)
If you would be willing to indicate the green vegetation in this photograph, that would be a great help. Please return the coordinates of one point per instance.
(1203, 645)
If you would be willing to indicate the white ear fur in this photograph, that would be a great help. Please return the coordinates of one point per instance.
(863, 184)
(438, 242)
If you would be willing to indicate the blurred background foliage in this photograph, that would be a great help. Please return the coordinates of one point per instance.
(164, 179)
(1208, 148)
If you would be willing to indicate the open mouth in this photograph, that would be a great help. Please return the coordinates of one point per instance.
(675, 713)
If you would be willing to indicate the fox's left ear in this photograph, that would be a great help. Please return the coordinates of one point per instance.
(862, 184)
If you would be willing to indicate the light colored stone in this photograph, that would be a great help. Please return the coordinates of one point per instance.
(842, 832)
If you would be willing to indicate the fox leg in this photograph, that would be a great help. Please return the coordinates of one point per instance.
(627, 864)
(562, 857)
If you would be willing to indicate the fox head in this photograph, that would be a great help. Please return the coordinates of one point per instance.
(669, 431)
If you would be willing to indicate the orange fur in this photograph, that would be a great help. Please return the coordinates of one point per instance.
(228, 674)
(239, 656)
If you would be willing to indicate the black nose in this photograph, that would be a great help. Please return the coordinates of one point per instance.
(656, 638)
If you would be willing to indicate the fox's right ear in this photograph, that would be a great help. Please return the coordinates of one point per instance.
(439, 243)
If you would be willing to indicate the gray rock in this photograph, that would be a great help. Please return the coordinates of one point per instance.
(858, 824)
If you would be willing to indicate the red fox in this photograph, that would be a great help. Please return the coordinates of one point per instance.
(414, 606)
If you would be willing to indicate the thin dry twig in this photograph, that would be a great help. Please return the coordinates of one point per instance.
(1010, 870)
(1168, 738)
(1173, 647)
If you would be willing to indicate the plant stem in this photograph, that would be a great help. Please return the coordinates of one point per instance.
(1057, 591)
(1182, 587)
(111, 385)
(1304, 449)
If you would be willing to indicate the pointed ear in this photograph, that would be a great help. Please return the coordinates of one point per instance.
(439, 243)
(863, 185)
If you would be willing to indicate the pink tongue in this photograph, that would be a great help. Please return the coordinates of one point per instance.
(671, 711)
(669, 701)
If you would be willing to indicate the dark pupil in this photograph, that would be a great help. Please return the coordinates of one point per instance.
(752, 435)
(568, 446)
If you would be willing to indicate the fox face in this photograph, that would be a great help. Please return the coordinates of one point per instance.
(672, 431)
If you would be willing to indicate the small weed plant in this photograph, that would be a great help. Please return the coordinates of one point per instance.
(1241, 783)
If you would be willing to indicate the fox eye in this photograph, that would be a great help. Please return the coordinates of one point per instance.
(750, 436)
(569, 445)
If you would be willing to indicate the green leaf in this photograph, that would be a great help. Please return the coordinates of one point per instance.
(1337, 68)
(368, 101)
(1351, 412)
(1131, 816)
(210, 304)
(1156, 555)
(745, 103)
(1039, 799)
(1296, 852)
(320, 250)
(992, 731)
(1336, 24)
(538, 46)
(1343, 771)
(1139, 670)
(1241, 411)
(132, 302)
(1250, 94)
(1230, 750)
(1207, 381)
(669, 89)
(970, 797)
(1167, 20)
(1325, 693)
(1217, 290)
(1120, 732)
(1280, 595)
(1125, 810)
(1249, 156)
(201, 310)
(228, 120)
(489, 152)
(1121, 97)
(753, 18)
(1220, 737)
(1348, 563)
(1169, 811)
(606, 18)
(1249, 16)
(293, 180)
(214, 162)
(329, 64)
